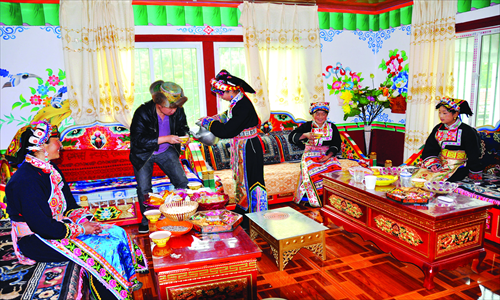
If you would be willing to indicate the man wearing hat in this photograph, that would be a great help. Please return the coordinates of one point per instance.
(154, 138)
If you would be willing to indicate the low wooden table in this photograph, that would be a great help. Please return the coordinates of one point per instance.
(219, 265)
(434, 237)
(287, 231)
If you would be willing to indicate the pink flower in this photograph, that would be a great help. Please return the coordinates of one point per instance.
(64, 242)
(102, 272)
(90, 261)
(112, 283)
(355, 78)
(123, 293)
(337, 85)
(77, 251)
(138, 252)
(53, 80)
(36, 100)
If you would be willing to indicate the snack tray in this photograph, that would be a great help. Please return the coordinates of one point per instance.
(215, 221)
(410, 195)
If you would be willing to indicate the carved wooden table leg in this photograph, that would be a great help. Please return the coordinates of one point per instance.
(476, 262)
(429, 273)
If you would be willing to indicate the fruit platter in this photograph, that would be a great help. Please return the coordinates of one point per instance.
(215, 221)
(410, 195)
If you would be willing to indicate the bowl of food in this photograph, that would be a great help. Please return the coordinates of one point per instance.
(391, 170)
(376, 170)
(440, 187)
(153, 215)
(154, 200)
(383, 180)
(160, 238)
(418, 182)
(195, 186)
(210, 200)
(179, 210)
(175, 228)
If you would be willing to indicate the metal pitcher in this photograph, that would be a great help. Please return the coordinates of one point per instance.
(204, 136)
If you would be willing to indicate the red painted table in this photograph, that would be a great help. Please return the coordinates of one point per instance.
(434, 237)
(217, 265)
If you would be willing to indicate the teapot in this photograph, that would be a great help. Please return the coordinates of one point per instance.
(204, 136)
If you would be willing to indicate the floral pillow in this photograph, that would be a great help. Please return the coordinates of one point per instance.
(290, 152)
(271, 150)
(218, 155)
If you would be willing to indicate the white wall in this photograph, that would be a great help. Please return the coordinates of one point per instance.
(35, 50)
(362, 52)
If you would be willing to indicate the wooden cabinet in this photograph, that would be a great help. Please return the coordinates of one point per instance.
(434, 237)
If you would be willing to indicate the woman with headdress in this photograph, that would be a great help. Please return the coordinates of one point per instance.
(452, 150)
(48, 225)
(240, 122)
(321, 141)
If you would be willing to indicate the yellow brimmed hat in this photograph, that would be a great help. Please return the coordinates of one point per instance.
(171, 90)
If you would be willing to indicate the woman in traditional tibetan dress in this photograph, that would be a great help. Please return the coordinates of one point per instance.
(321, 141)
(48, 225)
(452, 150)
(240, 122)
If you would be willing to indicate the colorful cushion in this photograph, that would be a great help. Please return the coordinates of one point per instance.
(218, 155)
(290, 152)
(271, 150)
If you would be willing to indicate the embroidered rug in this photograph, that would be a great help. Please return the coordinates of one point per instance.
(487, 190)
(54, 281)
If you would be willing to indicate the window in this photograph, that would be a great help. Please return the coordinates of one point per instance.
(229, 56)
(477, 67)
(181, 63)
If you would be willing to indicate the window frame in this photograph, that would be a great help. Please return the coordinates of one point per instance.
(180, 45)
(476, 65)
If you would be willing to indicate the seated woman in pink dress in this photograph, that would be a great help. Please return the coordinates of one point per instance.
(321, 141)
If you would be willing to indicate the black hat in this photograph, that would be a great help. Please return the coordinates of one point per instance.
(227, 82)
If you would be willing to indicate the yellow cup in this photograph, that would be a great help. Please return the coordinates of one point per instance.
(184, 139)
(153, 215)
(418, 182)
(195, 185)
(160, 238)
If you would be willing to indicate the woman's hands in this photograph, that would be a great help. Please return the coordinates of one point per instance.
(307, 135)
(92, 227)
(435, 169)
(325, 157)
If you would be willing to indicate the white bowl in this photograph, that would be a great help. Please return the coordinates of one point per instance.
(440, 187)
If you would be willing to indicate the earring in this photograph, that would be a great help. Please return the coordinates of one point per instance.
(47, 165)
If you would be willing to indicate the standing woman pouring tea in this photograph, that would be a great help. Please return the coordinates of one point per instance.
(451, 151)
(240, 122)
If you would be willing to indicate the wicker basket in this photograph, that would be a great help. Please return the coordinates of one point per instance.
(190, 208)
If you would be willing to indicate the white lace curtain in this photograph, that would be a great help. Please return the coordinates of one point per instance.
(432, 52)
(98, 44)
(283, 54)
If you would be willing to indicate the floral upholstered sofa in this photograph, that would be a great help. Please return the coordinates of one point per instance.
(281, 158)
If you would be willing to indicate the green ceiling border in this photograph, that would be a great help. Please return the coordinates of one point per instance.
(33, 14)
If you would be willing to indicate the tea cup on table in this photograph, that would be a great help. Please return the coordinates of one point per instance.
(358, 175)
(370, 182)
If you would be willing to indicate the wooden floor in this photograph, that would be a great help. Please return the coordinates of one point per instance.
(354, 269)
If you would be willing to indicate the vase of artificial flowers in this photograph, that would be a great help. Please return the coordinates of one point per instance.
(366, 103)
